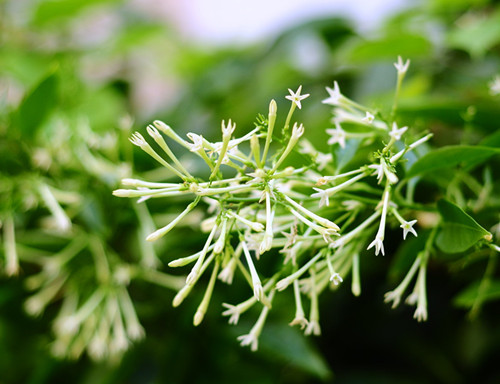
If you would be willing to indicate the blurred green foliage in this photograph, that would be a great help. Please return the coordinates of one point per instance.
(69, 97)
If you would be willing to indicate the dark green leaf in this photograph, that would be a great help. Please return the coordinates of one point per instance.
(286, 344)
(451, 156)
(37, 105)
(459, 231)
(467, 298)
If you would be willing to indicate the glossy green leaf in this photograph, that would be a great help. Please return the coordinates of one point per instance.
(467, 298)
(459, 231)
(451, 156)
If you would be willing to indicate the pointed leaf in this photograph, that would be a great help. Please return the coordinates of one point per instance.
(451, 156)
(37, 105)
(459, 231)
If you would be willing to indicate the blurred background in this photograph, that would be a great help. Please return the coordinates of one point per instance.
(76, 77)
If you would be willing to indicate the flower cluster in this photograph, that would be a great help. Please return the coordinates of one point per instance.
(270, 192)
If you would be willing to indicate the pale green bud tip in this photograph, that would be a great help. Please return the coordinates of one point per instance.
(273, 108)
(288, 171)
(130, 182)
(192, 277)
(121, 193)
(283, 284)
(175, 263)
(178, 299)
(181, 295)
(356, 289)
(219, 246)
(198, 318)
(257, 227)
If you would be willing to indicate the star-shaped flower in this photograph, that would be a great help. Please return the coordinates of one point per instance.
(323, 195)
(337, 135)
(402, 67)
(396, 132)
(197, 142)
(394, 296)
(420, 313)
(250, 340)
(313, 328)
(323, 159)
(336, 279)
(233, 311)
(368, 119)
(378, 243)
(408, 227)
(296, 97)
(334, 95)
(227, 130)
(301, 321)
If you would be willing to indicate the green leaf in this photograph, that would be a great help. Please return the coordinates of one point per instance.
(467, 298)
(284, 343)
(37, 105)
(459, 231)
(404, 45)
(451, 156)
(54, 10)
(492, 140)
(476, 36)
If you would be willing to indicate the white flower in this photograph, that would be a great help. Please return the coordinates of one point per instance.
(227, 130)
(378, 243)
(336, 279)
(227, 274)
(408, 227)
(394, 296)
(383, 169)
(323, 159)
(323, 195)
(307, 148)
(396, 133)
(334, 95)
(233, 311)
(420, 313)
(368, 119)
(297, 131)
(402, 67)
(379, 171)
(138, 139)
(313, 328)
(337, 135)
(300, 320)
(250, 340)
(495, 86)
(197, 142)
(296, 97)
